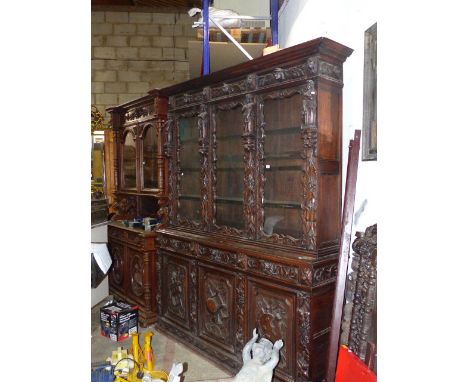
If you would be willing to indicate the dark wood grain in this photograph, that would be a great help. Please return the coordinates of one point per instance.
(251, 205)
(347, 223)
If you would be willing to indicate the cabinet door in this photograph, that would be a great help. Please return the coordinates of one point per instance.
(117, 271)
(175, 290)
(282, 165)
(129, 161)
(271, 311)
(189, 188)
(229, 166)
(149, 148)
(136, 267)
(216, 307)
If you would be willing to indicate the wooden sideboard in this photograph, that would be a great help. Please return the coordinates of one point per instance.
(252, 224)
(132, 276)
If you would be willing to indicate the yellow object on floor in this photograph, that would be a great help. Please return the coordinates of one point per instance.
(143, 366)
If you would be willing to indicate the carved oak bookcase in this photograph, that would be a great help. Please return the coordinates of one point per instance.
(254, 203)
(140, 173)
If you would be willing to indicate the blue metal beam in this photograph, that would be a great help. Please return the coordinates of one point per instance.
(206, 38)
(274, 21)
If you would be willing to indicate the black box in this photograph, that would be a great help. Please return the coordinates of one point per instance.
(119, 320)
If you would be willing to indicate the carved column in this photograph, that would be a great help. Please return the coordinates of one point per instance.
(204, 162)
(171, 135)
(303, 336)
(309, 176)
(160, 105)
(249, 165)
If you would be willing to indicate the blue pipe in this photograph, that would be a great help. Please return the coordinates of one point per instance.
(206, 38)
(274, 21)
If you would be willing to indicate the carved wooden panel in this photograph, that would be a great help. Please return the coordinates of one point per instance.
(216, 310)
(175, 294)
(359, 313)
(272, 312)
(136, 272)
(118, 266)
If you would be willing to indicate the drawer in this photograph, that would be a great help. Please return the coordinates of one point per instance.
(135, 239)
(116, 233)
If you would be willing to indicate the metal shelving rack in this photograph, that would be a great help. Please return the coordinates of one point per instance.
(206, 39)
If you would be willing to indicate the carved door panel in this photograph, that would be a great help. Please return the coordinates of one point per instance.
(216, 308)
(271, 311)
(136, 282)
(175, 291)
(117, 271)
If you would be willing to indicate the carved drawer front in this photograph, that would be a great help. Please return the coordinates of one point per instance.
(135, 239)
(175, 290)
(271, 311)
(115, 233)
(117, 272)
(136, 269)
(216, 307)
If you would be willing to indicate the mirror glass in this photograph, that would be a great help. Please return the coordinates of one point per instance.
(190, 168)
(129, 162)
(150, 174)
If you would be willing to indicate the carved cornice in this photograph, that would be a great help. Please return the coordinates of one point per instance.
(227, 89)
(313, 67)
(280, 75)
(188, 99)
(139, 113)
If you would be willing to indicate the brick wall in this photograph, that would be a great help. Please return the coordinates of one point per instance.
(133, 52)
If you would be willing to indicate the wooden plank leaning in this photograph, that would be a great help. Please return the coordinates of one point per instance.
(346, 227)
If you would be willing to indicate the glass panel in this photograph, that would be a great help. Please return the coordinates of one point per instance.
(229, 168)
(283, 171)
(150, 147)
(189, 193)
(129, 162)
(97, 166)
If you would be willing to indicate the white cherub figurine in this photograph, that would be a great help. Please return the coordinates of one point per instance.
(259, 366)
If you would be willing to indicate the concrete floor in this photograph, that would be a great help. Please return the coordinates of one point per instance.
(166, 351)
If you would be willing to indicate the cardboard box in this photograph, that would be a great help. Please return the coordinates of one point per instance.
(118, 320)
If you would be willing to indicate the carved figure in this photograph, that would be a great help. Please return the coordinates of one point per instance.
(260, 358)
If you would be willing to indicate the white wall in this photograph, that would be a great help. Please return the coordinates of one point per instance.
(345, 22)
(245, 8)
